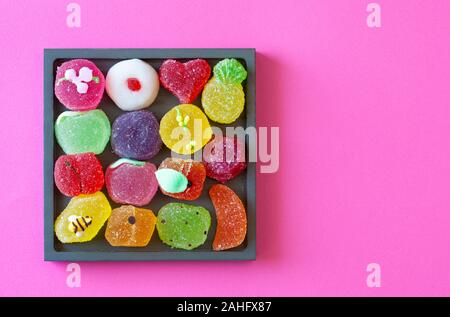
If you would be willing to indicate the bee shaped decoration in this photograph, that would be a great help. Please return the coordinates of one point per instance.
(78, 224)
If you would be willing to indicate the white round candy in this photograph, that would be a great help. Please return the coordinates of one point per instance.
(132, 84)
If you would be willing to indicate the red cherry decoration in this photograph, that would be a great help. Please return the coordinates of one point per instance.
(133, 84)
(184, 80)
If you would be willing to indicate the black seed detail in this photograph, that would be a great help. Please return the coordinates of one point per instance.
(163, 221)
(189, 245)
(189, 184)
(204, 232)
(131, 220)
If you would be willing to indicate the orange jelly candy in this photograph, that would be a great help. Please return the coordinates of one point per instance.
(129, 226)
(195, 173)
(231, 218)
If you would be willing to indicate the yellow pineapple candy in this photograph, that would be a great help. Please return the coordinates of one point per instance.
(223, 97)
(185, 129)
(83, 217)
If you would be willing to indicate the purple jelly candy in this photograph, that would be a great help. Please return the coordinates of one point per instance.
(136, 135)
(224, 158)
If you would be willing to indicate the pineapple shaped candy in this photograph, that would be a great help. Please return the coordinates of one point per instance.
(223, 97)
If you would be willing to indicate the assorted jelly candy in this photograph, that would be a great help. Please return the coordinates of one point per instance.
(131, 182)
(223, 97)
(79, 85)
(171, 181)
(80, 132)
(224, 158)
(184, 80)
(136, 135)
(183, 226)
(231, 218)
(192, 170)
(132, 84)
(78, 174)
(129, 226)
(185, 129)
(83, 217)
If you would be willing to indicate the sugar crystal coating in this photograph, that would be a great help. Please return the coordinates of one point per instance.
(79, 84)
(184, 80)
(78, 174)
(229, 70)
(231, 218)
(131, 182)
(183, 226)
(223, 97)
(136, 135)
(185, 129)
(224, 158)
(129, 226)
(83, 217)
(223, 103)
(192, 170)
(132, 84)
(80, 132)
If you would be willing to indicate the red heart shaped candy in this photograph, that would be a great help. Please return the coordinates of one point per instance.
(184, 80)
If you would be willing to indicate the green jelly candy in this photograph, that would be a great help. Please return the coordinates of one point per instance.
(80, 132)
(183, 226)
(230, 71)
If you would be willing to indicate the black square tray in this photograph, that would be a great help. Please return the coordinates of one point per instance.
(54, 202)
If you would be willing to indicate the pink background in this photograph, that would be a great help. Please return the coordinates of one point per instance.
(365, 151)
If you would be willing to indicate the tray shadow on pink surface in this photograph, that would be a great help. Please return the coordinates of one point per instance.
(269, 189)
(269, 186)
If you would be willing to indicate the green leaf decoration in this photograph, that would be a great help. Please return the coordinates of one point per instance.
(126, 161)
(59, 81)
(171, 180)
(230, 71)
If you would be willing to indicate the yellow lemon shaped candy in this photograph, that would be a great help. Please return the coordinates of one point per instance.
(83, 217)
(223, 97)
(223, 102)
(185, 129)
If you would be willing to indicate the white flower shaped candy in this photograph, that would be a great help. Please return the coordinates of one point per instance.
(84, 76)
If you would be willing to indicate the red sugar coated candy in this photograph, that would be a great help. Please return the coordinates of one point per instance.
(224, 158)
(79, 90)
(78, 174)
(231, 218)
(194, 172)
(131, 183)
(184, 80)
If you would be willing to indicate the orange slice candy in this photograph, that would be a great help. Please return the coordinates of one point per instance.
(231, 218)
